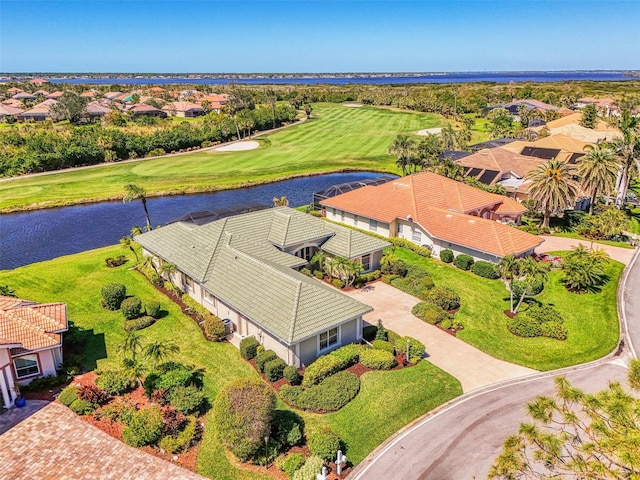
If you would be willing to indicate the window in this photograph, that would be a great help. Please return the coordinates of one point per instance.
(373, 225)
(306, 253)
(416, 236)
(328, 339)
(209, 298)
(366, 262)
(399, 229)
(26, 366)
(342, 215)
(188, 283)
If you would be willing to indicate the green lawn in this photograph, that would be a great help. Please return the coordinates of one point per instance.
(387, 400)
(337, 138)
(591, 319)
(588, 240)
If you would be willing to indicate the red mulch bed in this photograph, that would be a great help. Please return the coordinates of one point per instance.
(509, 313)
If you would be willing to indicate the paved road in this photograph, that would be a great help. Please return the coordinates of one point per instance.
(460, 441)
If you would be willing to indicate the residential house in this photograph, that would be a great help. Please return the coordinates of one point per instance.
(55, 95)
(216, 101)
(13, 90)
(439, 213)
(98, 109)
(22, 96)
(570, 126)
(7, 111)
(244, 269)
(13, 103)
(39, 112)
(38, 81)
(144, 109)
(30, 342)
(514, 107)
(604, 106)
(112, 95)
(558, 146)
(183, 109)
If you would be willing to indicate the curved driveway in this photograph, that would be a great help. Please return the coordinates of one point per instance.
(461, 440)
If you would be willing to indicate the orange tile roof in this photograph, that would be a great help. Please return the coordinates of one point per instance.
(501, 160)
(34, 326)
(439, 205)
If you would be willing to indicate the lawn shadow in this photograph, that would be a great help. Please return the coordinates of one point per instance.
(83, 347)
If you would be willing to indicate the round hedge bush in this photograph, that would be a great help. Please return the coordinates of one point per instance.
(186, 399)
(377, 359)
(287, 428)
(446, 255)
(113, 382)
(324, 443)
(82, 407)
(138, 323)
(68, 395)
(112, 295)
(214, 328)
(485, 269)
(263, 357)
(444, 298)
(144, 428)
(463, 261)
(430, 313)
(524, 326)
(248, 347)
(274, 369)
(383, 345)
(153, 309)
(333, 393)
(292, 375)
(131, 308)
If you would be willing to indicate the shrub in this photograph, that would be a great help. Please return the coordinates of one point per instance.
(310, 469)
(82, 407)
(93, 394)
(383, 345)
(524, 326)
(289, 464)
(443, 297)
(429, 312)
(68, 395)
(131, 308)
(331, 363)
(263, 357)
(331, 394)
(554, 330)
(324, 443)
(318, 274)
(248, 347)
(446, 324)
(181, 441)
(292, 375)
(273, 369)
(172, 420)
(336, 282)
(305, 271)
(172, 378)
(377, 359)
(288, 428)
(116, 262)
(392, 265)
(534, 287)
(381, 333)
(214, 328)
(112, 295)
(242, 414)
(463, 261)
(144, 428)
(156, 152)
(485, 269)
(368, 277)
(186, 399)
(138, 323)
(388, 278)
(153, 309)
(543, 314)
(539, 320)
(114, 382)
(416, 348)
(417, 282)
(446, 255)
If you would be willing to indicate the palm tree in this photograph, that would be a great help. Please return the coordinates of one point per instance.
(319, 258)
(158, 351)
(627, 149)
(134, 192)
(552, 188)
(404, 148)
(280, 202)
(126, 244)
(136, 230)
(167, 269)
(352, 269)
(132, 344)
(531, 271)
(598, 170)
(508, 268)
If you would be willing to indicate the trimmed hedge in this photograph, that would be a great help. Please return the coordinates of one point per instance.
(310, 469)
(416, 348)
(242, 415)
(443, 297)
(114, 382)
(153, 309)
(292, 375)
(248, 347)
(214, 328)
(263, 357)
(538, 321)
(331, 363)
(274, 369)
(446, 255)
(463, 261)
(186, 399)
(131, 308)
(138, 323)
(324, 443)
(144, 428)
(383, 345)
(430, 313)
(82, 407)
(336, 282)
(68, 395)
(485, 269)
(181, 441)
(112, 295)
(289, 464)
(331, 394)
(377, 359)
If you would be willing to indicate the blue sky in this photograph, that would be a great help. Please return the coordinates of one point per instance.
(317, 36)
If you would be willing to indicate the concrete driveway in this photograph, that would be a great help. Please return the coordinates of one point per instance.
(474, 369)
(620, 254)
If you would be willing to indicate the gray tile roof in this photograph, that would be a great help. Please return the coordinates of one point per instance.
(239, 259)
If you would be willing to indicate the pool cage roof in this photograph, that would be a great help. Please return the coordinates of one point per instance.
(200, 218)
(335, 190)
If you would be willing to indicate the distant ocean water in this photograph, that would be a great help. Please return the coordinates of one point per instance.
(466, 77)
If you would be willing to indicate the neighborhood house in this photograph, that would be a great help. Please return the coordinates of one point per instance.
(244, 269)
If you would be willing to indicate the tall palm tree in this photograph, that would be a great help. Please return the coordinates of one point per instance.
(530, 271)
(598, 170)
(627, 149)
(126, 244)
(134, 192)
(167, 269)
(280, 202)
(319, 258)
(508, 268)
(158, 351)
(404, 148)
(131, 345)
(552, 188)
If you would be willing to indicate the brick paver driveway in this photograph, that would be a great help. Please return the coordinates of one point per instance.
(53, 443)
(474, 369)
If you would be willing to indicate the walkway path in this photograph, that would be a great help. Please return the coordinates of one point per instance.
(620, 254)
(474, 369)
(51, 442)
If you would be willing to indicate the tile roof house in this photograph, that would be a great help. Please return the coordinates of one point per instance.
(144, 109)
(24, 96)
(13, 103)
(570, 126)
(244, 268)
(55, 95)
(39, 112)
(38, 81)
(437, 212)
(183, 109)
(530, 104)
(14, 90)
(8, 111)
(30, 342)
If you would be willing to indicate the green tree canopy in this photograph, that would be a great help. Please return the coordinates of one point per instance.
(553, 188)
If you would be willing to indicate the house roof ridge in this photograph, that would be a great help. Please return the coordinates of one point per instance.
(215, 248)
(294, 314)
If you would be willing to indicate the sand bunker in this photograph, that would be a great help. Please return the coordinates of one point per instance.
(429, 131)
(352, 105)
(239, 146)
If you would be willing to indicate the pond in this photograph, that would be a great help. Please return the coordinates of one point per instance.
(30, 237)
